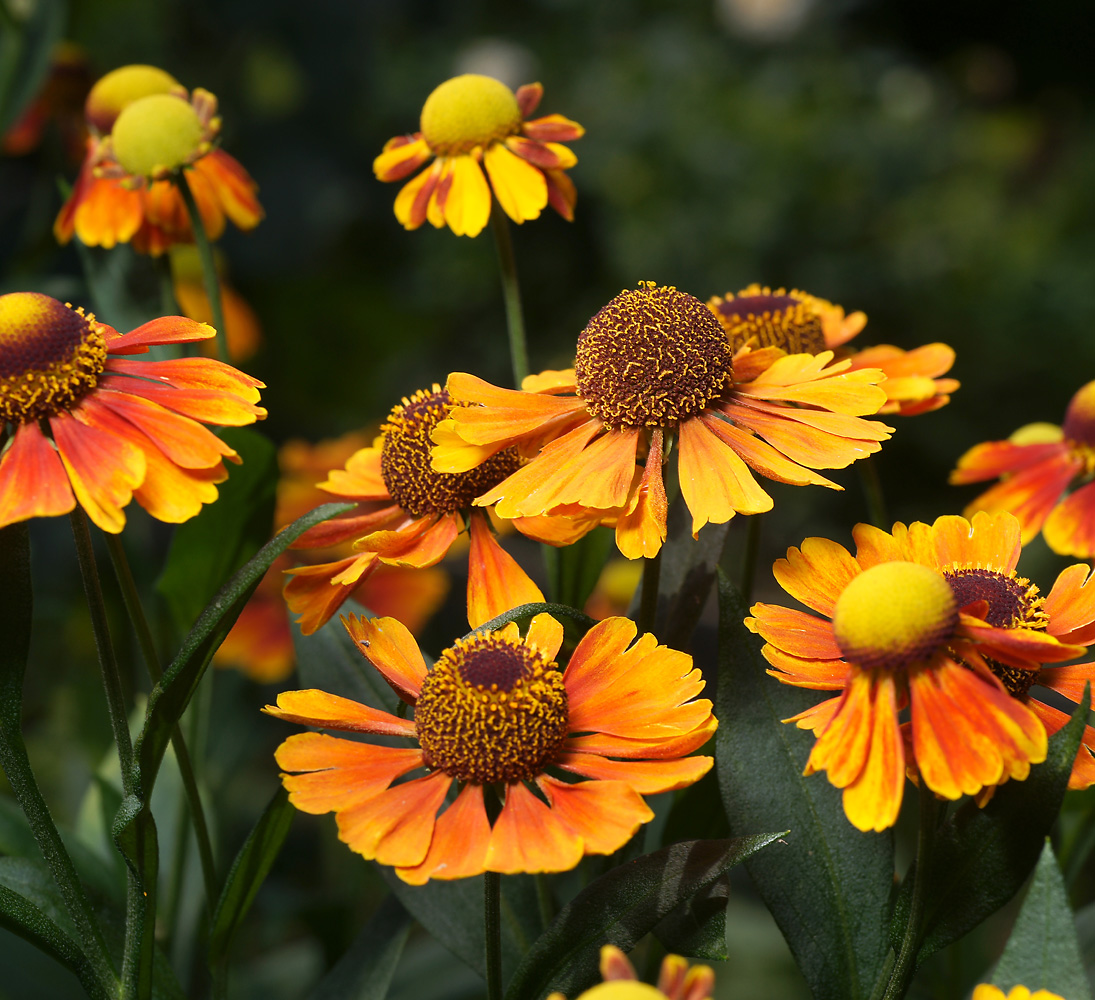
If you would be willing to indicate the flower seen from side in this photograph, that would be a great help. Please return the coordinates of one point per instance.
(907, 624)
(91, 426)
(1045, 474)
(145, 128)
(496, 720)
(655, 373)
(797, 321)
(676, 980)
(408, 515)
(471, 124)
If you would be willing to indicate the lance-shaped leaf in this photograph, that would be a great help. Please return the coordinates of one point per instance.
(620, 908)
(1043, 952)
(697, 927)
(829, 889)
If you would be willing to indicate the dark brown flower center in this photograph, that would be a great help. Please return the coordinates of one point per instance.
(491, 710)
(771, 320)
(405, 460)
(652, 357)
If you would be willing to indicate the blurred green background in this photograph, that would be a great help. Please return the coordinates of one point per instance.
(930, 163)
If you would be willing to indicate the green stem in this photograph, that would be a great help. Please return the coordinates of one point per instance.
(749, 559)
(648, 599)
(511, 293)
(182, 755)
(492, 932)
(905, 966)
(210, 278)
(872, 488)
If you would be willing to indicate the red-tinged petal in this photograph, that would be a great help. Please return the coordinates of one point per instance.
(641, 529)
(562, 195)
(313, 707)
(189, 373)
(1018, 647)
(553, 128)
(411, 204)
(873, 800)
(460, 841)
(396, 827)
(341, 529)
(794, 632)
(104, 463)
(987, 541)
(389, 646)
(33, 481)
(817, 717)
(173, 494)
(423, 543)
(107, 214)
(1083, 768)
(1071, 606)
(496, 582)
(1070, 528)
(996, 458)
(232, 187)
(604, 814)
(166, 330)
(715, 483)
(397, 162)
(817, 573)
(1069, 680)
(210, 407)
(466, 205)
(546, 156)
(556, 530)
(312, 595)
(518, 185)
(803, 379)
(528, 837)
(763, 458)
(671, 747)
(647, 777)
(844, 746)
(799, 671)
(528, 98)
(928, 361)
(340, 773)
(65, 223)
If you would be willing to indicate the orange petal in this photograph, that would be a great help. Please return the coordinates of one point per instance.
(422, 543)
(528, 837)
(312, 593)
(800, 671)
(186, 373)
(545, 155)
(503, 414)
(389, 646)
(556, 530)
(988, 541)
(107, 214)
(1083, 768)
(794, 632)
(545, 634)
(873, 800)
(166, 330)
(1019, 647)
(607, 745)
(412, 202)
(997, 458)
(763, 458)
(396, 827)
(804, 379)
(1069, 680)
(1070, 528)
(173, 494)
(233, 188)
(350, 526)
(1071, 606)
(361, 479)
(496, 582)
(641, 530)
(460, 841)
(208, 406)
(817, 573)
(647, 777)
(33, 481)
(400, 159)
(604, 814)
(843, 747)
(313, 707)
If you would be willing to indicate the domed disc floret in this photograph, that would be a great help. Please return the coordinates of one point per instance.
(652, 357)
(468, 111)
(156, 134)
(491, 710)
(51, 355)
(405, 460)
(772, 319)
(894, 615)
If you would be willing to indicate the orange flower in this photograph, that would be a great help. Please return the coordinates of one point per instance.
(497, 715)
(473, 122)
(117, 429)
(676, 981)
(1037, 465)
(652, 366)
(797, 321)
(144, 127)
(408, 515)
(260, 644)
(910, 626)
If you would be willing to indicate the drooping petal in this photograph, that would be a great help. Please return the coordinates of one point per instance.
(174, 494)
(313, 707)
(414, 198)
(1083, 768)
(389, 646)
(647, 777)
(312, 594)
(604, 814)
(107, 214)
(1070, 605)
(816, 573)
(496, 414)
(467, 204)
(545, 155)
(1070, 527)
(553, 128)
(401, 156)
(873, 800)
(794, 631)
(422, 543)
(562, 195)
(460, 841)
(518, 185)
(528, 837)
(33, 481)
(800, 671)
(496, 582)
(233, 188)
(641, 529)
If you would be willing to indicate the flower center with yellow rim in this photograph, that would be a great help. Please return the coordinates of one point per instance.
(50, 356)
(652, 357)
(468, 111)
(405, 460)
(773, 319)
(893, 615)
(622, 989)
(1013, 602)
(491, 710)
(156, 134)
(120, 87)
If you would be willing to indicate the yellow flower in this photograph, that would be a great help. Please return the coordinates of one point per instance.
(676, 981)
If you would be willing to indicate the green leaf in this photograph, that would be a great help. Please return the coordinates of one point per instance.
(573, 570)
(829, 889)
(697, 927)
(208, 548)
(620, 908)
(25, 58)
(1043, 952)
(982, 857)
(365, 971)
(248, 871)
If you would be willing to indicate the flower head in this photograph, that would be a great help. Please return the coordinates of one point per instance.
(471, 123)
(987, 992)
(408, 515)
(1038, 466)
(909, 621)
(145, 128)
(654, 367)
(497, 717)
(90, 426)
(676, 980)
(795, 321)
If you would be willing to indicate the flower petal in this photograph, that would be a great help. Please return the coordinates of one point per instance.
(496, 582)
(1070, 527)
(33, 481)
(1070, 605)
(647, 777)
(460, 841)
(641, 529)
(313, 707)
(604, 814)
(794, 631)
(389, 646)
(528, 837)
(467, 204)
(518, 185)
(401, 156)
(165, 330)
(817, 573)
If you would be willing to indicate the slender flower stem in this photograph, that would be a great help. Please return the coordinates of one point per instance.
(749, 559)
(511, 292)
(210, 278)
(872, 488)
(905, 966)
(182, 754)
(492, 931)
(648, 599)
